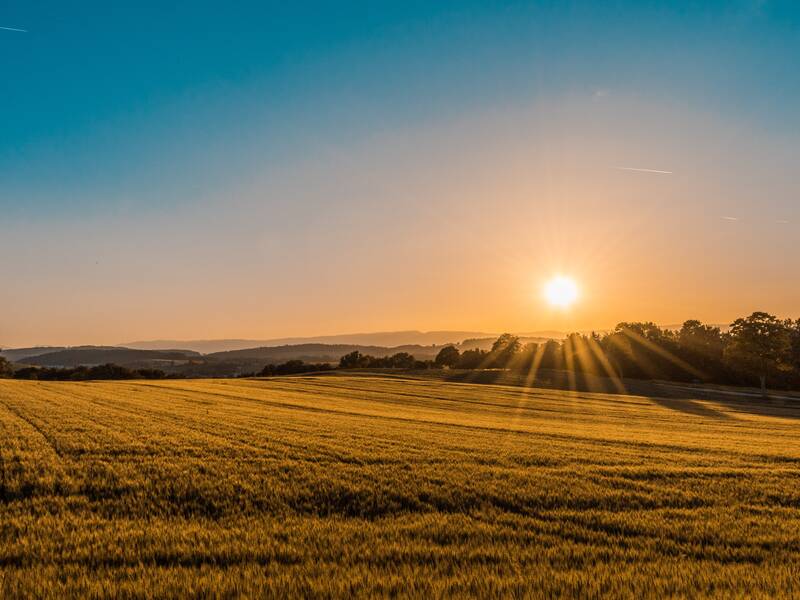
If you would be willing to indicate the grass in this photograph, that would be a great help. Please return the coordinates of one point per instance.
(372, 485)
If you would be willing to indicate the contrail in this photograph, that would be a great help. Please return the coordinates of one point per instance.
(14, 29)
(731, 218)
(643, 170)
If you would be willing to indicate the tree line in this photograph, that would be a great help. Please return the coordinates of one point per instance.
(98, 372)
(401, 360)
(756, 350)
(292, 367)
(760, 349)
(352, 360)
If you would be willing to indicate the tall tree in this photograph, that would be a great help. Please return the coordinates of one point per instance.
(760, 345)
(702, 346)
(448, 357)
(504, 349)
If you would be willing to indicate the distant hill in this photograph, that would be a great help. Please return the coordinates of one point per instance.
(389, 339)
(20, 354)
(201, 346)
(96, 355)
(315, 353)
(543, 335)
(252, 360)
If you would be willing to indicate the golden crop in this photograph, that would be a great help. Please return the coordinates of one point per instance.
(338, 486)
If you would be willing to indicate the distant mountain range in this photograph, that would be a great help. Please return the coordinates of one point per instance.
(387, 339)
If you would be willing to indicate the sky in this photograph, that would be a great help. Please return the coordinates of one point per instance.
(267, 169)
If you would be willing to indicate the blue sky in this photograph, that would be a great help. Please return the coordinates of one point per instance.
(101, 100)
(116, 114)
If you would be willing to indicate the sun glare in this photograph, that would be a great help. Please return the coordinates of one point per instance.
(561, 292)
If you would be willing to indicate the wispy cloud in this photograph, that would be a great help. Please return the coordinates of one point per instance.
(638, 170)
(14, 29)
(777, 221)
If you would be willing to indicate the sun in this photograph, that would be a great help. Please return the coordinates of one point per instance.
(561, 291)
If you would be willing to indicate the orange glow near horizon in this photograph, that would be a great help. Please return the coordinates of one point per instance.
(450, 227)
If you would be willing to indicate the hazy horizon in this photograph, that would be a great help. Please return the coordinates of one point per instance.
(389, 338)
(268, 171)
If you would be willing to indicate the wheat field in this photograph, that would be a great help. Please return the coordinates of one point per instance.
(371, 485)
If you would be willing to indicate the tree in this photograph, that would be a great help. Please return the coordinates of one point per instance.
(292, 367)
(643, 349)
(402, 360)
(702, 346)
(760, 345)
(448, 357)
(552, 355)
(526, 358)
(699, 338)
(503, 350)
(27, 373)
(621, 354)
(472, 359)
(794, 343)
(647, 330)
(5, 368)
(353, 360)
